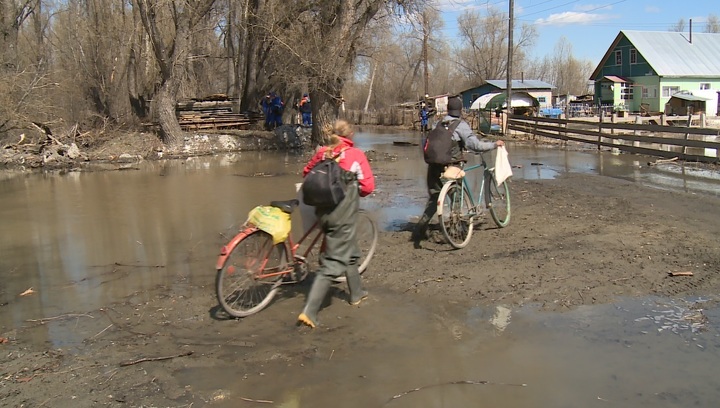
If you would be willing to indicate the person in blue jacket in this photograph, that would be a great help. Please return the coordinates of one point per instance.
(265, 106)
(276, 110)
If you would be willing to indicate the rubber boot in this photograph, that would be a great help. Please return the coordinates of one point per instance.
(420, 231)
(314, 300)
(357, 293)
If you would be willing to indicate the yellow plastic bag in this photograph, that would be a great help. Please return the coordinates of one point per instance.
(271, 220)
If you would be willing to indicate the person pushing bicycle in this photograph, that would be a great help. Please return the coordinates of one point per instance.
(341, 253)
(462, 137)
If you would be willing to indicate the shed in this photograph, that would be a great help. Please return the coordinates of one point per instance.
(680, 102)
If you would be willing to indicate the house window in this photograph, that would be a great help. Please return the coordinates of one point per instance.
(704, 85)
(645, 92)
(618, 57)
(626, 91)
(633, 56)
(668, 91)
(541, 99)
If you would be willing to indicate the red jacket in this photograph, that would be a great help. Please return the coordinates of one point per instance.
(351, 159)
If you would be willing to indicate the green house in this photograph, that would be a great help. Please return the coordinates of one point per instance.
(642, 70)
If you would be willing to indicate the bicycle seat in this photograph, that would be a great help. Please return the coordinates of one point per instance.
(286, 206)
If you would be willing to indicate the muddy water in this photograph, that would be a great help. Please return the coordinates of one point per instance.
(631, 354)
(83, 240)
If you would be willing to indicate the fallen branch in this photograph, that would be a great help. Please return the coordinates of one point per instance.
(142, 360)
(461, 382)
(61, 317)
(254, 400)
(680, 274)
(660, 161)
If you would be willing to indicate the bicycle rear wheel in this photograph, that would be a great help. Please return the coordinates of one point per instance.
(251, 274)
(454, 209)
(367, 237)
(497, 199)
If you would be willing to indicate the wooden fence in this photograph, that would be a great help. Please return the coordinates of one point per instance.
(685, 143)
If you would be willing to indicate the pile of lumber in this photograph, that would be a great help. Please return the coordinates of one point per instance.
(213, 112)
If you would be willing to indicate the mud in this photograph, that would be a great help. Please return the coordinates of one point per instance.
(575, 240)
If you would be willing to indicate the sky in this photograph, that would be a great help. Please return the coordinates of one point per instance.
(590, 26)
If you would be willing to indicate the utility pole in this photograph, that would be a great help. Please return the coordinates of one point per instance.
(426, 34)
(510, 54)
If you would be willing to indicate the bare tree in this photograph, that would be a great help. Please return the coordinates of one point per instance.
(483, 54)
(317, 42)
(679, 27)
(712, 25)
(172, 52)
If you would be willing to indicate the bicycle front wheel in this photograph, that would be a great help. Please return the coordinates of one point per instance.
(497, 199)
(454, 209)
(251, 275)
(367, 236)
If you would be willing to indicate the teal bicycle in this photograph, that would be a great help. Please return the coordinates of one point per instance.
(460, 210)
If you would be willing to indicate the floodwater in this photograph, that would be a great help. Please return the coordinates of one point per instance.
(63, 232)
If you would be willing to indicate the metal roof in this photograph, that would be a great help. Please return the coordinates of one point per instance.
(689, 97)
(518, 84)
(671, 54)
(615, 78)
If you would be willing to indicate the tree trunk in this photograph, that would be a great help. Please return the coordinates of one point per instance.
(325, 107)
(165, 101)
(250, 92)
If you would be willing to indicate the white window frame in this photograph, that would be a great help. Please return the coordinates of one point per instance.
(618, 57)
(705, 85)
(668, 91)
(633, 56)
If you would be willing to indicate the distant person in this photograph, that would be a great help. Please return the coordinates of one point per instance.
(462, 138)
(276, 110)
(424, 116)
(342, 252)
(265, 104)
(306, 110)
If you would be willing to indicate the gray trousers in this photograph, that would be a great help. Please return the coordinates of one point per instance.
(341, 253)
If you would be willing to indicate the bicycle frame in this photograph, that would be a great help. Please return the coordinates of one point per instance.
(480, 200)
(290, 245)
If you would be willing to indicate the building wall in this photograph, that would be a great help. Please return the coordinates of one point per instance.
(626, 68)
(543, 97)
(668, 86)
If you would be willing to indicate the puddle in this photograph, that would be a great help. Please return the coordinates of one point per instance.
(610, 355)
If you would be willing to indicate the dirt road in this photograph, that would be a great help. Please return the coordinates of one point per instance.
(575, 240)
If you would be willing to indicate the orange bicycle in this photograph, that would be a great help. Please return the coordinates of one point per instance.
(251, 267)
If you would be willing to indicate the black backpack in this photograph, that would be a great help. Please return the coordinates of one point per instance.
(438, 145)
(325, 183)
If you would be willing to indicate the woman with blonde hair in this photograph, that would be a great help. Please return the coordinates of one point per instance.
(338, 223)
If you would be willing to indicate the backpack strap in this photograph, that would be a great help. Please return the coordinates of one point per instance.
(453, 126)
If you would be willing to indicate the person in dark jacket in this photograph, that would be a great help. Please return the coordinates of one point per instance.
(463, 138)
(306, 110)
(341, 253)
(265, 104)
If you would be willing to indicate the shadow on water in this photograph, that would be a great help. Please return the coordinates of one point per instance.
(83, 240)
